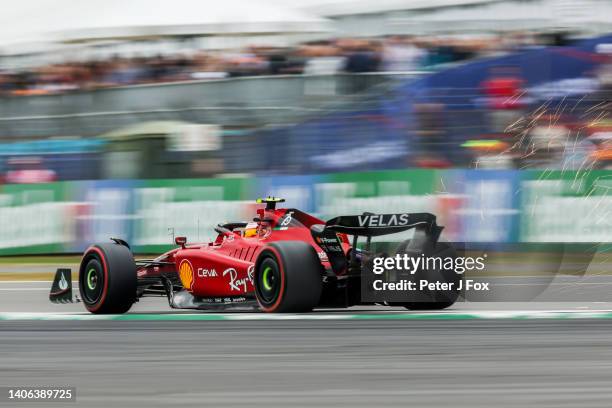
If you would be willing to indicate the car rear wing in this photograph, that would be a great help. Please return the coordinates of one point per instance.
(427, 233)
(372, 225)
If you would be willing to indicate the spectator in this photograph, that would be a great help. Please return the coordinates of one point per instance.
(362, 56)
(323, 59)
(402, 55)
(504, 97)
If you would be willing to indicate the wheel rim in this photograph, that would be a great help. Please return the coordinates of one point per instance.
(94, 282)
(267, 279)
(91, 279)
(268, 285)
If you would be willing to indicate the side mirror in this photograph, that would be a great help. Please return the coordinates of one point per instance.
(180, 241)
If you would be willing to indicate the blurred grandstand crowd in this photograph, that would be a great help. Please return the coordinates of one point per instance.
(498, 122)
(350, 55)
(565, 126)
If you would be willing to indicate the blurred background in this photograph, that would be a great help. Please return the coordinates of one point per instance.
(137, 119)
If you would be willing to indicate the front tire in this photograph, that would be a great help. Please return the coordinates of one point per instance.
(107, 279)
(288, 277)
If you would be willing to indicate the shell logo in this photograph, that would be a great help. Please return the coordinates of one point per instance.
(186, 274)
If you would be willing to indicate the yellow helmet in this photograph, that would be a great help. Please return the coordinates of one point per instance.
(250, 230)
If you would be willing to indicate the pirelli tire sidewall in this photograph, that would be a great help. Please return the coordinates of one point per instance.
(301, 277)
(119, 278)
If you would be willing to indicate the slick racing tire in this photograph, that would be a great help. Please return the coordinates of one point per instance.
(107, 279)
(288, 277)
(431, 299)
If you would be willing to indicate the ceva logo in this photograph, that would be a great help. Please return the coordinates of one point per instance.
(204, 273)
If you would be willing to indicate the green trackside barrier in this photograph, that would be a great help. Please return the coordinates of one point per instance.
(34, 218)
(188, 207)
(548, 206)
(566, 206)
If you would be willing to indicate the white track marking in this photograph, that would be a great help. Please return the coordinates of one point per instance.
(23, 289)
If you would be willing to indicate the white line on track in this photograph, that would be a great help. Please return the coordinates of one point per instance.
(25, 281)
(22, 289)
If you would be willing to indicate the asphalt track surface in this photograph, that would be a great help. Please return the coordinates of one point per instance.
(459, 363)
(543, 359)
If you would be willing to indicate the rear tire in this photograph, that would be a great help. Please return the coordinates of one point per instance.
(107, 279)
(288, 277)
(435, 300)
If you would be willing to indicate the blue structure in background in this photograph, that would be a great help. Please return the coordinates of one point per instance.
(69, 159)
(108, 211)
(328, 143)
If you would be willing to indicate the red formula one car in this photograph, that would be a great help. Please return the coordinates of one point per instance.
(283, 261)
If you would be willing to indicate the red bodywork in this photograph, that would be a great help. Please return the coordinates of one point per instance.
(224, 268)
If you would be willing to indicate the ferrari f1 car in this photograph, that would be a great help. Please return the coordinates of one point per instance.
(283, 261)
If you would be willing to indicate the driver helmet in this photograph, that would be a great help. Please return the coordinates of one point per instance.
(250, 230)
